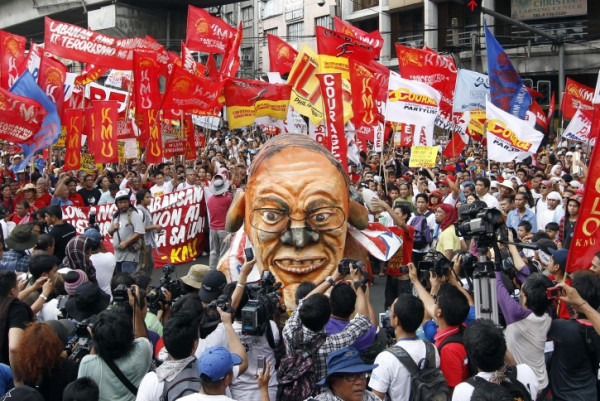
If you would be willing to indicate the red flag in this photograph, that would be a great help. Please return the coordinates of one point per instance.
(211, 68)
(20, 117)
(190, 64)
(331, 90)
(89, 129)
(454, 147)
(535, 112)
(367, 103)
(281, 54)
(190, 145)
(106, 115)
(339, 45)
(51, 79)
(576, 96)
(73, 120)
(151, 124)
(372, 39)
(90, 73)
(231, 62)
(12, 55)
(174, 60)
(206, 33)
(186, 91)
(145, 78)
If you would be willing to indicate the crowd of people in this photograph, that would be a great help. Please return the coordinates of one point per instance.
(83, 323)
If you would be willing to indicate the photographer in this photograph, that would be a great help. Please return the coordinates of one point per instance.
(121, 352)
(127, 230)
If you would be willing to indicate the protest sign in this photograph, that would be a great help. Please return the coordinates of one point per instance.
(423, 156)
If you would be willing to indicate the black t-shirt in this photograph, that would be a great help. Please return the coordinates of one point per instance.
(18, 317)
(90, 197)
(62, 234)
(571, 373)
(53, 385)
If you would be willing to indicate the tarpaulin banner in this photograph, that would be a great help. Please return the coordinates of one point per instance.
(247, 99)
(186, 91)
(180, 213)
(51, 79)
(73, 120)
(77, 43)
(20, 117)
(106, 116)
(145, 78)
(119, 77)
(331, 89)
(174, 147)
(576, 96)
(412, 102)
(471, 91)
(12, 55)
(423, 156)
(509, 137)
(231, 62)
(337, 44)
(206, 33)
(373, 39)
(580, 126)
(281, 54)
(508, 92)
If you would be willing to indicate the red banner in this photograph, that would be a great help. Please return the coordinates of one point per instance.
(331, 90)
(175, 147)
(576, 96)
(189, 62)
(151, 124)
(206, 33)
(454, 147)
(180, 213)
(372, 39)
(12, 55)
(77, 43)
(186, 91)
(89, 128)
(190, 145)
(231, 62)
(106, 116)
(339, 45)
(125, 129)
(73, 120)
(368, 102)
(20, 117)
(145, 79)
(281, 55)
(90, 73)
(51, 79)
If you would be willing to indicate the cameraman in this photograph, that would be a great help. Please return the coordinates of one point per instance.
(123, 344)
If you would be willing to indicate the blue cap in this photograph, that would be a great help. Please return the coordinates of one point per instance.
(560, 257)
(93, 234)
(345, 360)
(216, 362)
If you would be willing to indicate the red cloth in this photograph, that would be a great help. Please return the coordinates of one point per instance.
(451, 216)
(563, 311)
(403, 256)
(43, 201)
(217, 210)
(20, 220)
(76, 199)
(453, 358)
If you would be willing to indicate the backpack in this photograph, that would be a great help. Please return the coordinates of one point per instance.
(296, 374)
(427, 381)
(186, 382)
(508, 390)
(422, 232)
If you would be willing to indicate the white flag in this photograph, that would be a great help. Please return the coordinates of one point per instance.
(509, 137)
(411, 102)
(471, 90)
(596, 99)
(580, 127)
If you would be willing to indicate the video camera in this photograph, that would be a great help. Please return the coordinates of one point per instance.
(156, 295)
(435, 262)
(81, 343)
(476, 220)
(263, 302)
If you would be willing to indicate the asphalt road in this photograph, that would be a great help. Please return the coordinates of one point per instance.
(377, 290)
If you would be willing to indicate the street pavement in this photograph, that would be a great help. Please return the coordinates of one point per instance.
(377, 290)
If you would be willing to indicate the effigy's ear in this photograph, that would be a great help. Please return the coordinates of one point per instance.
(358, 215)
(236, 212)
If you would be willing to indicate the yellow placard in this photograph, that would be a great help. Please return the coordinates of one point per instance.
(423, 156)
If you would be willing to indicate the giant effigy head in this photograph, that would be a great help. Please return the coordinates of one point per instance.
(296, 211)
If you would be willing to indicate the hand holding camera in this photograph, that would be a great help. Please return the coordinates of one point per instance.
(226, 317)
(133, 293)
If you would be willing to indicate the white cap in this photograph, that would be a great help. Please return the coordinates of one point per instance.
(122, 194)
(554, 196)
(569, 153)
(494, 184)
(576, 184)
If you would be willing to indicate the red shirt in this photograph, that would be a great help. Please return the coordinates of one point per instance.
(453, 358)
(76, 199)
(217, 210)
(403, 256)
(43, 201)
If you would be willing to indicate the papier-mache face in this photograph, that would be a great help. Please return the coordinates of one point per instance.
(296, 212)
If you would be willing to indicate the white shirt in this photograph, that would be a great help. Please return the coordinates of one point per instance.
(163, 189)
(490, 201)
(391, 377)
(150, 388)
(217, 338)
(185, 185)
(525, 375)
(105, 267)
(450, 199)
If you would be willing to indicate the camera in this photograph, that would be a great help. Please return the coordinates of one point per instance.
(553, 292)
(344, 267)
(62, 306)
(386, 325)
(263, 302)
(92, 219)
(435, 262)
(81, 343)
(156, 295)
(120, 294)
(476, 220)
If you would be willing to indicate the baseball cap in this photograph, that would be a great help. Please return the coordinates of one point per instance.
(195, 276)
(554, 196)
(93, 234)
(547, 183)
(122, 194)
(213, 283)
(575, 184)
(23, 393)
(442, 182)
(345, 360)
(216, 362)
(560, 257)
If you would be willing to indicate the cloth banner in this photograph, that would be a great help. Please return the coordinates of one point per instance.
(331, 89)
(576, 96)
(51, 78)
(174, 147)
(423, 156)
(151, 125)
(281, 54)
(12, 55)
(20, 117)
(145, 79)
(306, 93)
(509, 137)
(508, 92)
(190, 64)
(90, 74)
(104, 148)
(580, 126)
(454, 147)
(73, 120)
(186, 91)
(373, 39)
(80, 44)
(247, 99)
(412, 102)
(337, 44)
(206, 33)
(471, 91)
(180, 213)
(231, 62)
(367, 105)
(94, 92)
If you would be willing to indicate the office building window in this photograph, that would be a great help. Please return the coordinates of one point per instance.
(272, 31)
(295, 31)
(325, 21)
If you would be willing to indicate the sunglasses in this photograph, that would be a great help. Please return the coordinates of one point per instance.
(543, 187)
